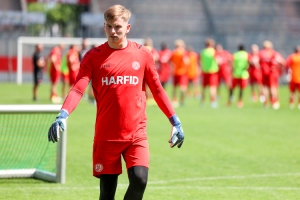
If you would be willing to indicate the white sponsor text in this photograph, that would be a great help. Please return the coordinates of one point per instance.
(132, 80)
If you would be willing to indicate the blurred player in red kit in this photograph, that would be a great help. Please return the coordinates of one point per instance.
(255, 76)
(193, 73)
(293, 65)
(73, 63)
(55, 58)
(224, 60)
(164, 68)
(119, 68)
(149, 44)
(270, 62)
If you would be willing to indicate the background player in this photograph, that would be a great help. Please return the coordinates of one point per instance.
(255, 76)
(38, 66)
(73, 63)
(224, 59)
(55, 57)
(164, 68)
(270, 62)
(193, 73)
(120, 69)
(240, 73)
(210, 70)
(293, 65)
(180, 61)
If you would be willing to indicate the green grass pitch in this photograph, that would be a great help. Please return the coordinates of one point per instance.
(228, 153)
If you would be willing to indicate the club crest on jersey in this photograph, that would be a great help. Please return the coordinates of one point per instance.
(98, 167)
(135, 65)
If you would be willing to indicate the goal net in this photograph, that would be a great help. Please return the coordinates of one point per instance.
(24, 147)
(25, 49)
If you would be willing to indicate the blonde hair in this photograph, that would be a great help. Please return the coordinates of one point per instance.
(267, 44)
(116, 11)
(179, 43)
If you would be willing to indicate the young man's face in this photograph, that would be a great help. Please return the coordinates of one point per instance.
(116, 30)
(40, 47)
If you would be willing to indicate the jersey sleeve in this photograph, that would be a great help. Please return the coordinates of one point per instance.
(75, 95)
(288, 61)
(81, 83)
(159, 94)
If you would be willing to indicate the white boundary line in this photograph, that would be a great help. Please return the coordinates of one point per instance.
(157, 185)
(221, 178)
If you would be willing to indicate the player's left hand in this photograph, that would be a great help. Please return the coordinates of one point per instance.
(58, 126)
(177, 135)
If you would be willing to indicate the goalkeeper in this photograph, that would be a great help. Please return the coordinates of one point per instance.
(119, 70)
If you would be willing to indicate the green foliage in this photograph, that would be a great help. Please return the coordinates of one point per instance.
(37, 7)
(62, 14)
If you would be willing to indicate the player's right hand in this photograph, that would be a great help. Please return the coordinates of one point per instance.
(58, 126)
(177, 135)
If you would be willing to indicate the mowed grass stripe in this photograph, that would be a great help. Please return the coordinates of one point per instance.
(229, 153)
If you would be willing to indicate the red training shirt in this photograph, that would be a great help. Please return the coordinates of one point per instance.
(164, 68)
(268, 60)
(254, 67)
(118, 80)
(55, 52)
(224, 59)
(73, 64)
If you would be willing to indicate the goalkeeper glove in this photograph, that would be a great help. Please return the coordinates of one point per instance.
(58, 126)
(177, 136)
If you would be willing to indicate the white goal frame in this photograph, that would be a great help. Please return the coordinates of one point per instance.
(60, 175)
(54, 41)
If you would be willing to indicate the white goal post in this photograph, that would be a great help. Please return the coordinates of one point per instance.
(54, 41)
(24, 130)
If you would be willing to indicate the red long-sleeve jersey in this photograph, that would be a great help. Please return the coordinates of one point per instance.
(118, 80)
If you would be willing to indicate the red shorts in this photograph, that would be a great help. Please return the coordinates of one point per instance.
(180, 80)
(225, 75)
(107, 156)
(164, 74)
(54, 76)
(270, 80)
(255, 77)
(294, 86)
(210, 79)
(73, 76)
(242, 83)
